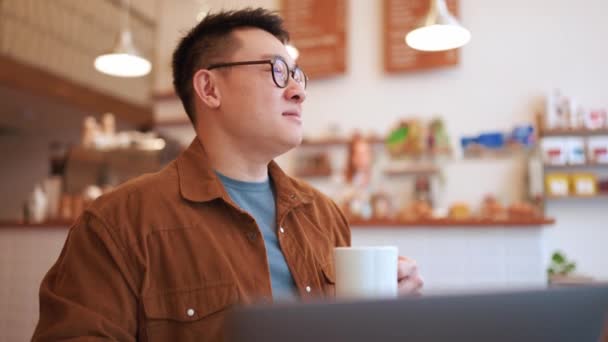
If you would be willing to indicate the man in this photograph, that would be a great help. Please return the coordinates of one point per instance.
(163, 256)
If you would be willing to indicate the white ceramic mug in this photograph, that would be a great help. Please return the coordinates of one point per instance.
(368, 272)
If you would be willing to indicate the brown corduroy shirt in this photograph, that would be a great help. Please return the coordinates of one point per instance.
(164, 256)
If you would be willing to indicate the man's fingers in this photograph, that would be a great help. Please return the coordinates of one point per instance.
(406, 268)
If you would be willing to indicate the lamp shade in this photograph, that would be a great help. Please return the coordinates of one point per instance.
(292, 51)
(438, 31)
(123, 60)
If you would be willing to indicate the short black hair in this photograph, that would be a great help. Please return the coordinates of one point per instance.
(210, 40)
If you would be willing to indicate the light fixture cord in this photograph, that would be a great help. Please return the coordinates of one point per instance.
(126, 4)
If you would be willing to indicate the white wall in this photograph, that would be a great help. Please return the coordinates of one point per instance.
(520, 49)
(26, 254)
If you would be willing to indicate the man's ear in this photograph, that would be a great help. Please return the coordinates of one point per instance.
(205, 86)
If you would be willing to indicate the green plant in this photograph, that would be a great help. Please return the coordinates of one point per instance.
(560, 265)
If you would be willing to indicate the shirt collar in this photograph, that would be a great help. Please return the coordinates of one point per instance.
(199, 183)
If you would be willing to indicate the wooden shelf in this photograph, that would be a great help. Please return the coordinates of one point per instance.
(176, 122)
(573, 166)
(505, 152)
(447, 223)
(313, 174)
(600, 195)
(47, 224)
(335, 141)
(414, 170)
(165, 95)
(572, 132)
(440, 223)
(36, 81)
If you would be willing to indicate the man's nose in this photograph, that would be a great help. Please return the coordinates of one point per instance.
(295, 92)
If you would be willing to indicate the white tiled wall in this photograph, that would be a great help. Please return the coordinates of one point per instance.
(449, 259)
(467, 258)
(26, 254)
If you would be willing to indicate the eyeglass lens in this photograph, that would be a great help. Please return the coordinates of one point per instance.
(281, 73)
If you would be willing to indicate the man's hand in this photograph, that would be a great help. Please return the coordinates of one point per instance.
(409, 281)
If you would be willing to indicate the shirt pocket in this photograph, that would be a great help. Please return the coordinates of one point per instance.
(193, 314)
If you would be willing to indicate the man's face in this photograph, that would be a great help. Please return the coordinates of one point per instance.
(253, 109)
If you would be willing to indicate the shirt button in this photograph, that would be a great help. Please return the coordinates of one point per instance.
(282, 230)
(308, 289)
(190, 312)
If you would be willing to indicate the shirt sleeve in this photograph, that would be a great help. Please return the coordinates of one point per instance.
(90, 291)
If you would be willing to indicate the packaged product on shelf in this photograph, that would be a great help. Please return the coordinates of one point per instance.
(554, 151)
(584, 184)
(597, 149)
(36, 206)
(406, 139)
(557, 110)
(575, 148)
(492, 209)
(557, 184)
(522, 135)
(438, 141)
(523, 210)
(577, 117)
(602, 185)
(459, 211)
(596, 119)
(382, 206)
(417, 210)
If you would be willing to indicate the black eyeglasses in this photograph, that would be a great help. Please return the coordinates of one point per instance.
(280, 70)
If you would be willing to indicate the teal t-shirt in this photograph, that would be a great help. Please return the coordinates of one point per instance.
(258, 199)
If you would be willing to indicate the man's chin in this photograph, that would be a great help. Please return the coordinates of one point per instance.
(289, 143)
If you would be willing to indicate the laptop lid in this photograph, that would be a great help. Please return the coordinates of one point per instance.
(555, 314)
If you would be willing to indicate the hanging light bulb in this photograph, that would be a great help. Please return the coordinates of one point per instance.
(124, 60)
(439, 30)
(292, 51)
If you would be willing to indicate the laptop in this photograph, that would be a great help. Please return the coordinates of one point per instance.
(553, 314)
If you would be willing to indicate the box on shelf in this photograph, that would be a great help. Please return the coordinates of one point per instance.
(602, 185)
(596, 119)
(564, 112)
(554, 151)
(584, 184)
(597, 148)
(557, 184)
(575, 148)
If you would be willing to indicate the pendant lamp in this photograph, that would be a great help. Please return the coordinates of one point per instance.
(438, 31)
(124, 60)
(292, 51)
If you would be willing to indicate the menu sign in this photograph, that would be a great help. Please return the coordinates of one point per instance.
(400, 17)
(317, 30)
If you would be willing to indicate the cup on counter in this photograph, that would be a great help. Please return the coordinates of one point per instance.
(366, 272)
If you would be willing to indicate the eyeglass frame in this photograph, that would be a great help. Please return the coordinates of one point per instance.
(270, 61)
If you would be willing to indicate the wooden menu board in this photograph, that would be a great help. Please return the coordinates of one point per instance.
(317, 30)
(400, 17)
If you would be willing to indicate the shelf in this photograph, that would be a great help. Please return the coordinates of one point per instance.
(441, 223)
(572, 132)
(176, 122)
(313, 174)
(335, 141)
(447, 223)
(600, 195)
(573, 166)
(412, 171)
(47, 224)
(79, 97)
(165, 95)
(505, 152)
